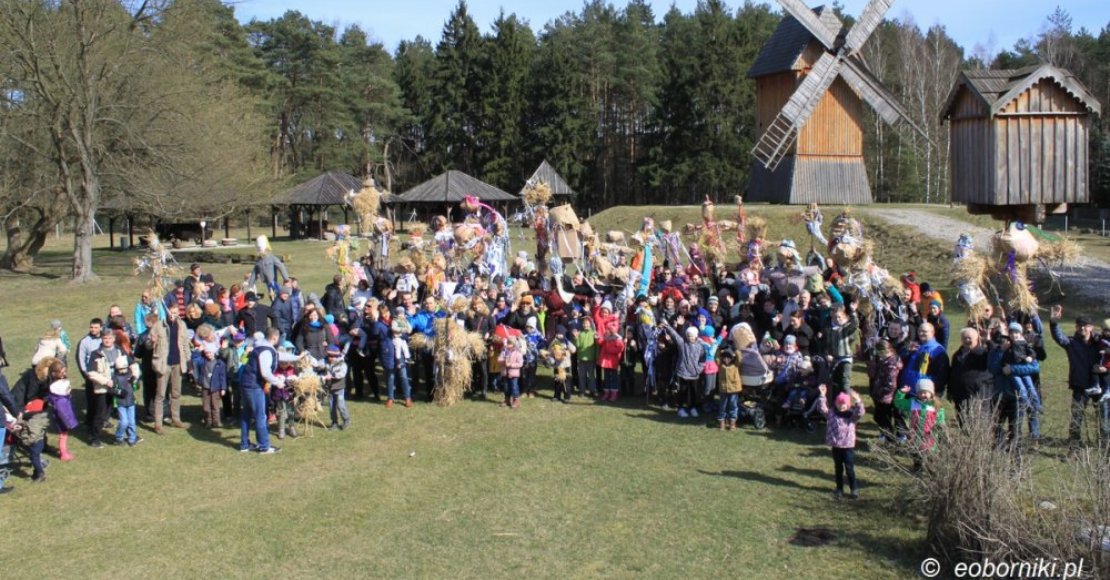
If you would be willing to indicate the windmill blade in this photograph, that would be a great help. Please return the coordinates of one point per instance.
(813, 87)
(872, 90)
(868, 21)
(810, 20)
(776, 140)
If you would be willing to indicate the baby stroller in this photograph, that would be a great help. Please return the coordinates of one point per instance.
(800, 408)
(755, 405)
(15, 455)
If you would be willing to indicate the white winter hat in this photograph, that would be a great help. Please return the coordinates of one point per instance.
(691, 332)
(60, 387)
(925, 385)
(531, 322)
(607, 305)
(121, 362)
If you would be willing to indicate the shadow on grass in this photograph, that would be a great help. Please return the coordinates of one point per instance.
(214, 436)
(765, 478)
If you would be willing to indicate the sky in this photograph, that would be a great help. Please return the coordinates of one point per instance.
(995, 24)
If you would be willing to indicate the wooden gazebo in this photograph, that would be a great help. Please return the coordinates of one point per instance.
(1019, 141)
(313, 198)
(449, 188)
(561, 192)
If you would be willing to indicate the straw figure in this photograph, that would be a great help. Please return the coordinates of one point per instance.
(159, 262)
(307, 387)
(454, 351)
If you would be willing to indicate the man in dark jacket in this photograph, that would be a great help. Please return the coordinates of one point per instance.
(1082, 362)
(255, 317)
(968, 375)
(284, 312)
(333, 297)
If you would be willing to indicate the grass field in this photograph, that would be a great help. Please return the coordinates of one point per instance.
(583, 490)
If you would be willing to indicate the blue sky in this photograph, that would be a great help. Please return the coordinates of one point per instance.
(968, 21)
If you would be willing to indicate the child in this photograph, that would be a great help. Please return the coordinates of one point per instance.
(335, 380)
(212, 380)
(402, 356)
(883, 369)
(710, 345)
(234, 353)
(840, 434)
(62, 404)
(585, 344)
(558, 356)
(535, 342)
(123, 389)
(1100, 383)
(282, 396)
(730, 387)
(839, 346)
(923, 417)
(610, 350)
(1022, 353)
(512, 360)
(690, 363)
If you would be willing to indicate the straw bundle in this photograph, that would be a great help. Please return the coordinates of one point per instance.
(367, 202)
(614, 237)
(757, 228)
(419, 341)
(971, 268)
(459, 304)
(708, 210)
(602, 266)
(537, 194)
(477, 345)
(666, 226)
(416, 258)
(586, 230)
(1016, 240)
(453, 358)
(711, 246)
(417, 230)
(1065, 252)
(1021, 297)
(306, 386)
(520, 288)
(564, 215)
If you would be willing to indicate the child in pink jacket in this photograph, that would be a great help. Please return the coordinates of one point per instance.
(512, 359)
(840, 434)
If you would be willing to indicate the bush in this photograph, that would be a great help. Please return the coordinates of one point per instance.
(986, 498)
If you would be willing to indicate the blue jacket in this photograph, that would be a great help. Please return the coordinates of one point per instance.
(140, 315)
(284, 314)
(386, 353)
(1081, 357)
(252, 372)
(1003, 386)
(425, 322)
(935, 367)
(213, 378)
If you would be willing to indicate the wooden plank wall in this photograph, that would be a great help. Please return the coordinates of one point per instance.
(772, 92)
(834, 128)
(1041, 148)
(971, 137)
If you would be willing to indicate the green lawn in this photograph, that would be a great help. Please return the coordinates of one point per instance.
(584, 490)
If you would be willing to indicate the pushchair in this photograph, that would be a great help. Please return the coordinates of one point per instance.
(15, 456)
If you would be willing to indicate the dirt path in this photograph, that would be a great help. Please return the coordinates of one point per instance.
(1088, 281)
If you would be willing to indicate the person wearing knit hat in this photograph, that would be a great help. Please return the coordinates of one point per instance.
(923, 416)
(935, 316)
(1082, 359)
(535, 343)
(840, 435)
(1021, 357)
(123, 390)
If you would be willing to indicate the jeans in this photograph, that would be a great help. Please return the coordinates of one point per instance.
(254, 407)
(845, 463)
(1028, 392)
(392, 376)
(126, 426)
(587, 377)
(3, 448)
(512, 387)
(730, 407)
(338, 404)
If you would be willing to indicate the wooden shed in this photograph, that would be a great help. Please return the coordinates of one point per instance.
(1019, 141)
(826, 163)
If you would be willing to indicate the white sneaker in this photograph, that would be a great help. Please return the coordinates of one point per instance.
(1093, 392)
(693, 412)
(682, 413)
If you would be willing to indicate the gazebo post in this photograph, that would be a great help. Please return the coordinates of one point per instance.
(248, 223)
(111, 233)
(273, 222)
(320, 223)
(130, 230)
(227, 228)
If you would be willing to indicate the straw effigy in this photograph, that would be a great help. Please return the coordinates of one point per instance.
(756, 228)
(537, 194)
(452, 353)
(306, 386)
(419, 341)
(367, 202)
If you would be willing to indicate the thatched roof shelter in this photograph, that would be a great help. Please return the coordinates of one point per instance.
(545, 173)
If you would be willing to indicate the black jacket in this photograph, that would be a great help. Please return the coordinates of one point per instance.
(968, 375)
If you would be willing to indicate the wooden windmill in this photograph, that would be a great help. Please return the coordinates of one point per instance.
(810, 82)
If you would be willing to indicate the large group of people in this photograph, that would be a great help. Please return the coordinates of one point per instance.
(690, 341)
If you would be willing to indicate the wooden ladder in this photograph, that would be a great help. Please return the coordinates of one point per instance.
(775, 142)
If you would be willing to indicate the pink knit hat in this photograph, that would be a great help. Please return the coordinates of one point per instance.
(843, 399)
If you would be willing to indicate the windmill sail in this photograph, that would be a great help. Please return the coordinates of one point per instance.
(868, 21)
(775, 142)
(812, 23)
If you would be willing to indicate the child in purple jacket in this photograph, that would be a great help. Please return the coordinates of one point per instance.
(841, 436)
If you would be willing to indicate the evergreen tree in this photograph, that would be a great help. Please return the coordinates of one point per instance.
(456, 110)
(508, 60)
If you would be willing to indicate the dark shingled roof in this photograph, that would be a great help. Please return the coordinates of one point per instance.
(452, 187)
(546, 173)
(329, 188)
(997, 88)
(787, 43)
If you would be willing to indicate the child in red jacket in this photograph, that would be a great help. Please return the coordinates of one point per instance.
(610, 349)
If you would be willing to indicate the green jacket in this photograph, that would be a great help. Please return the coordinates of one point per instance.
(586, 343)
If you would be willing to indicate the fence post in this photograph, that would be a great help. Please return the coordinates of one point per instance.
(1065, 223)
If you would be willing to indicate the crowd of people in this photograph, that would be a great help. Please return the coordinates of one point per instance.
(692, 342)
